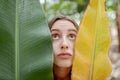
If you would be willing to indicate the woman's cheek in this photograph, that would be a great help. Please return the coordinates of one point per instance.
(72, 47)
(55, 47)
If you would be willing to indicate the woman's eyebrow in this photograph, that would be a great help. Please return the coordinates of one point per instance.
(73, 30)
(54, 30)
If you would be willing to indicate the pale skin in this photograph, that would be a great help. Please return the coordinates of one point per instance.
(63, 36)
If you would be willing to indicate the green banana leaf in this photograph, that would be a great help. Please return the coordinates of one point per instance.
(25, 42)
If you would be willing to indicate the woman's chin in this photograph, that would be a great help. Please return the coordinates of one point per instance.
(64, 64)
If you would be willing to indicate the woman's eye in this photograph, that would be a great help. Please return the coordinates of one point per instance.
(55, 36)
(72, 36)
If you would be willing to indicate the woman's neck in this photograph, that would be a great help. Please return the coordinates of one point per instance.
(61, 73)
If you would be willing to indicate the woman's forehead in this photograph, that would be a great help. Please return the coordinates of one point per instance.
(63, 24)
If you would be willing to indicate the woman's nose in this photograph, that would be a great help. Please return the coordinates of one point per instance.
(64, 44)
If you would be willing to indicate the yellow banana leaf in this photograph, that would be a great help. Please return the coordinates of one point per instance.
(91, 61)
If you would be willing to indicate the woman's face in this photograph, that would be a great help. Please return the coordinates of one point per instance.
(63, 36)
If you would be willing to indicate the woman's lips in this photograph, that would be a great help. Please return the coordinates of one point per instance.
(64, 55)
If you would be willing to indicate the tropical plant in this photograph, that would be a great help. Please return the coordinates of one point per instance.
(91, 60)
(25, 43)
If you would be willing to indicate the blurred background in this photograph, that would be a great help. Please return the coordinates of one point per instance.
(76, 9)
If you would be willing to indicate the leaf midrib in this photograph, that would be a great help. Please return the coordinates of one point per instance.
(95, 44)
(16, 42)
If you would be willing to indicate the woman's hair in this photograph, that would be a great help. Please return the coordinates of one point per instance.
(61, 17)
